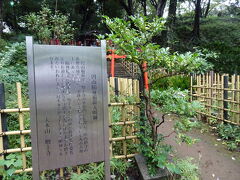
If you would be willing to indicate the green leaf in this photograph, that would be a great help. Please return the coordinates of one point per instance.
(11, 171)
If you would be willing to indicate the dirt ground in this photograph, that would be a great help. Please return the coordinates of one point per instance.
(215, 161)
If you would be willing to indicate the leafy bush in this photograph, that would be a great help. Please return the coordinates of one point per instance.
(231, 133)
(12, 163)
(176, 82)
(3, 44)
(188, 170)
(47, 25)
(118, 168)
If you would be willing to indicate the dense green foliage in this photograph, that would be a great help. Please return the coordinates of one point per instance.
(118, 169)
(175, 82)
(47, 25)
(231, 134)
(218, 34)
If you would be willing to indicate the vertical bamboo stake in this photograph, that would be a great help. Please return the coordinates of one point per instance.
(207, 96)
(215, 90)
(123, 118)
(61, 173)
(21, 123)
(124, 131)
(1, 140)
(222, 95)
(238, 98)
(136, 108)
(2, 106)
(78, 170)
(211, 91)
(232, 104)
(111, 86)
(131, 108)
(198, 87)
(219, 96)
(191, 87)
(110, 119)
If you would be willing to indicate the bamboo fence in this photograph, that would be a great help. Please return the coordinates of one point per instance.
(220, 94)
(129, 113)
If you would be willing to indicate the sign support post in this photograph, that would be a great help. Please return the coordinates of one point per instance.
(68, 106)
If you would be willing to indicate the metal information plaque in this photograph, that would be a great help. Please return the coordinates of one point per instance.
(68, 93)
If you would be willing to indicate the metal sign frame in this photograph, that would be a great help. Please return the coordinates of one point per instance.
(33, 109)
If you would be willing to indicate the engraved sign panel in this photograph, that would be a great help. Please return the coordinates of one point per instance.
(70, 105)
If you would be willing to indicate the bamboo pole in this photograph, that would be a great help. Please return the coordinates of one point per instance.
(238, 98)
(15, 110)
(110, 121)
(232, 105)
(61, 172)
(78, 170)
(1, 141)
(123, 156)
(123, 116)
(123, 138)
(21, 123)
(16, 150)
(7, 133)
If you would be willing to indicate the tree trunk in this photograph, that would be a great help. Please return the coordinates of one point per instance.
(196, 28)
(160, 7)
(207, 9)
(172, 11)
(144, 6)
(171, 21)
(1, 18)
(128, 7)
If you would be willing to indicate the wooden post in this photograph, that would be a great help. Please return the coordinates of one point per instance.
(110, 119)
(233, 98)
(191, 87)
(3, 115)
(238, 98)
(112, 64)
(2, 104)
(225, 97)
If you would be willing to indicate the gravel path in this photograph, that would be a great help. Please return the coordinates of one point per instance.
(215, 161)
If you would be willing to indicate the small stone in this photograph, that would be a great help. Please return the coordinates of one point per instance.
(129, 160)
(233, 158)
(213, 175)
(219, 139)
(113, 176)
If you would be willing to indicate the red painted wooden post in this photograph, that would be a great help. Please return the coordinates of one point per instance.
(145, 75)
(112, 64)
(58, 42)
(52, 42)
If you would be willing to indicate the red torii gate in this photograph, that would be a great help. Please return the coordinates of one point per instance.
(114, 56)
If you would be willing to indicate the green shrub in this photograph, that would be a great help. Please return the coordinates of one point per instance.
(175, 82)
(3, 45)
(118, 168)
(230, 133)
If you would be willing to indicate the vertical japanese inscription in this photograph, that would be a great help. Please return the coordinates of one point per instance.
(94, 96)
(68, 73)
